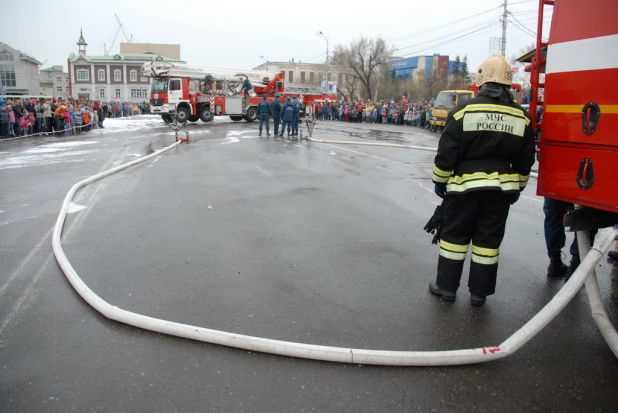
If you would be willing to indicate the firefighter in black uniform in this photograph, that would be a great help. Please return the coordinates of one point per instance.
(484, 159)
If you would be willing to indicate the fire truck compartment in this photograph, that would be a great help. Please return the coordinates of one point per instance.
(233, 105)
(579, 175)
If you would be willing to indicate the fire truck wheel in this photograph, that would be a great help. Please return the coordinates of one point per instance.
(182, 114)
(236, 118)
(251, 114)
(206, 115)
(193, 118)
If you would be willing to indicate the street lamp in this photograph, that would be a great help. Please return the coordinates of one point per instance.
(322, 35)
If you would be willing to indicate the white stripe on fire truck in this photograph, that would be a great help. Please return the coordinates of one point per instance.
(585, 54)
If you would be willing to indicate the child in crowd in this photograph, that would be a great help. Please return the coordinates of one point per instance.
(79, 121)
(68, 120)
(23, 124)
(11, 120)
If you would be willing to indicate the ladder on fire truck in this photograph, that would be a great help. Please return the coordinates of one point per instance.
(304, 90)
(226, 82)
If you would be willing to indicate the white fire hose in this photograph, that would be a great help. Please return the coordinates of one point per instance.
(326, 353)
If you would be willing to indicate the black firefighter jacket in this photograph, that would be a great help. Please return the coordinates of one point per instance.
(486, 144)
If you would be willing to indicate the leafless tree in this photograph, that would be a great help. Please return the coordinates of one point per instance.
(362, 58)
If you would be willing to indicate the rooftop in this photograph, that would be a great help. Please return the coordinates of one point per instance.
(137, 57)
(51, 69)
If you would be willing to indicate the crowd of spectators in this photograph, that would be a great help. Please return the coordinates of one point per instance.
(392, 112)
(60, 117)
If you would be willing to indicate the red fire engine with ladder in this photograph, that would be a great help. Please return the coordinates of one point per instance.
(578, 144)
(192, 93)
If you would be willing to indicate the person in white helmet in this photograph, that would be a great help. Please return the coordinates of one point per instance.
(484, 159)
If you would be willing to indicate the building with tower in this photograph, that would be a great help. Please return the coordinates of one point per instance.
(114, 77)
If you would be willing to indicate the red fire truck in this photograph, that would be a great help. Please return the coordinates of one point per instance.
(193, 92)
(579, 130)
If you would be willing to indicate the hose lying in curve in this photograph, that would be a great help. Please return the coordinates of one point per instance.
(317, 352)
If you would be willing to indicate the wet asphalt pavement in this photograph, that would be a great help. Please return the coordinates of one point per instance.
(307, 242)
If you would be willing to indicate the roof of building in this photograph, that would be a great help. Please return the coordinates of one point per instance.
(51, 69)
(81, 41)
(136, 57)
(26, 56)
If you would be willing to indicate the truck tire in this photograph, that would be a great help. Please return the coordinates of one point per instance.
(251, 114)
(183, 114)
(236, 118)
(206, 115)
(167, 118)
(193, 118)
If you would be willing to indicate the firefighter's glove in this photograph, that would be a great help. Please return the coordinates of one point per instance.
(514, 197)
(440, 190)
(434, 226)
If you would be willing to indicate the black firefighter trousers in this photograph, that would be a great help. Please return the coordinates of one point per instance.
(480, 217)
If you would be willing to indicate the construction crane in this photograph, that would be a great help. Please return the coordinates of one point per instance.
(107, 51)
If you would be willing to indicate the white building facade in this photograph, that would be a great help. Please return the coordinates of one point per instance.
(110, 78)
(19, 72)
(54, 81)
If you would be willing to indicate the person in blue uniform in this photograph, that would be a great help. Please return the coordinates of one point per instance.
(276, 111)
(246, 87)
(287, 115)
(264, 110)
(297, 107)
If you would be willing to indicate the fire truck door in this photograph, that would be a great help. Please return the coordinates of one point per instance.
(175, 91)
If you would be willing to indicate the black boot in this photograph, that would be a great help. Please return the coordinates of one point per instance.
(260, 133)
(267, 133)
(445, 295)
(477, 300)
(556, 266)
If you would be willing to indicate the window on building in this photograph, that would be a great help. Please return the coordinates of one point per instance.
(291, 76)
(67, 80)
(117, 76)
(143, 79)
(139, 93)
(101, 74)
(7, 73)
(311, 76)
(58, 79)
(117, 93)
(67, 88)
(133, 75)
(302, 77)
(58, 88)
(83, 74)
(6, 56)
(101, 93)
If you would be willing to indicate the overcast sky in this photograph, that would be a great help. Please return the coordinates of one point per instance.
(236, 33)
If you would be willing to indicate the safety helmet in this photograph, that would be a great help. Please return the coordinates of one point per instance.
(277, 94)
(494, 69)
(264, 95)
(288, 98)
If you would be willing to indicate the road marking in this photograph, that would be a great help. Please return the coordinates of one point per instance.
(268, 174)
